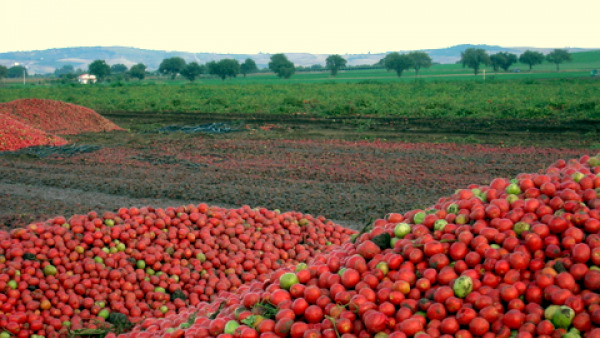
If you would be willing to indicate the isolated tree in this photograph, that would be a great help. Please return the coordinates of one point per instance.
(64, 70)
(334, 63)
(16, 72)
(192, 70)
(531, 58)
(281, 66)
(397, 62)
(100, 69)
(248, 67)
(3, 72)
(473, 58)
(502, 60)
(224, 68)
(420, 60)
(559, 56)
(171, 66)
(138, 71)
(118, 68)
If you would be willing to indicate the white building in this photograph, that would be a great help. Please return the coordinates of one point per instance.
(86, 78)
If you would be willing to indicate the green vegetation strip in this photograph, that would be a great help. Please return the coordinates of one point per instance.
(559, 99)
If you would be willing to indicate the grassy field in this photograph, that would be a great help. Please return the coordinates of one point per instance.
(559, 99)
(442, 91)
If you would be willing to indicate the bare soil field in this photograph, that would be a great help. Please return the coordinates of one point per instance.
(347, 169)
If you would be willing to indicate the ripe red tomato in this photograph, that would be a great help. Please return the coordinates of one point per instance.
(479, 326)
(513, 319)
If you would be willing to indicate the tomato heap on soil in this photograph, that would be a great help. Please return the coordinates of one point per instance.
(30, 122)
(75, 273)
(57, 117)
(15, 134)
(513, 258)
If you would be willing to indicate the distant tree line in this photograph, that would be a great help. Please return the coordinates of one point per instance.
(279, 64)
(475, 57)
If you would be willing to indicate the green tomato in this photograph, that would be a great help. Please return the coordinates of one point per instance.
(231, 326)
(513, 188)
(287, 280)
(520, 227)
(384, 267)
(563, 317)
(13, 284)
(594, 161)
(419, 217)
(109, 222)
(140, 264)
(401, 230)
(440, 224)
(463, 286)
(577, 176)
(573, 333)
(549, 311)
(452, 208)
(104, 313)
(512, 198)
(301, 266)
(50, 270)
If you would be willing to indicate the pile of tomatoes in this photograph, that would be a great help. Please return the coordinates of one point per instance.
(15, 134)
(69, 274)
(513, 258)
(57, 117)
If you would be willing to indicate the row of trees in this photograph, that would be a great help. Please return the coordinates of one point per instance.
(278, 64)
(401, 62)
(102, 70)
(475, 57)
(12, 72)
(223, 68)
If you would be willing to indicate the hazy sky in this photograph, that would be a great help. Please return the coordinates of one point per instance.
(313, 26)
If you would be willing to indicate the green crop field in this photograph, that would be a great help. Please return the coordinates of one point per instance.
(560, 99)
(448, 91)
